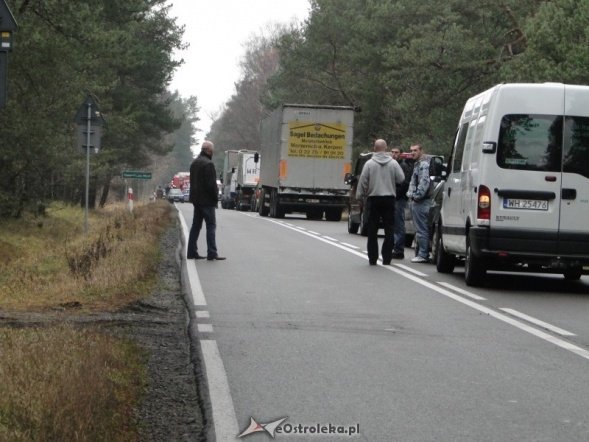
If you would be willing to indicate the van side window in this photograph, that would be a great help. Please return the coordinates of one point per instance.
(459, 148)
(530, 142)
(576, 146)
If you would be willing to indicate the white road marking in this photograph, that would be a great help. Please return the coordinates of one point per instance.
(223, 410)
(314, 233)
(462, 291)
(538, 322)
(205, 328)
(410, 269)
(352, 246)
(195, 289)
(330, 238)
(488, 311)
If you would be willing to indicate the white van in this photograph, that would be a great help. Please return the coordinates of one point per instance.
(517, 189)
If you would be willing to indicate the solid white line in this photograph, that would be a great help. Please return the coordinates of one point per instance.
(350, 245)
(314, 233)
(462, 291)
(202, 314)
(533, 320)
(493, 313)
(410, 269)
(195, 289)
(223, 411)
(205, 328)
(224, 420)
(330, 238)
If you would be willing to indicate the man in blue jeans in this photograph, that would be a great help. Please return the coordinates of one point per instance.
(400, 204)
(419, 194)
(204, 195)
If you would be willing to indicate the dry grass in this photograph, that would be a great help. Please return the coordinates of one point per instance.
(63, 384)
(47, 262)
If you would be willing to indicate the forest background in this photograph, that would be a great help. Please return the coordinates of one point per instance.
(406, 66)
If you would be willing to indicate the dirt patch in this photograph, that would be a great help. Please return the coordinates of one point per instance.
(171, 409)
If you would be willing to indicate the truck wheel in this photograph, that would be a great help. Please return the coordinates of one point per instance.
(573, 273)
(275, 210)
(474, 268)
(363, 225)
(333, 214)
(445, 262)
(263, 210)
(352, 226)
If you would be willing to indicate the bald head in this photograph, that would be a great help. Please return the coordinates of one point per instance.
(208, 147)
(380, 145)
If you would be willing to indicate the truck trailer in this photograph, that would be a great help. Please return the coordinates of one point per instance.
(247, 176)
(307, 151)
(228, 179)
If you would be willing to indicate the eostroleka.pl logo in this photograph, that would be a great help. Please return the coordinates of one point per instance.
(279, 427)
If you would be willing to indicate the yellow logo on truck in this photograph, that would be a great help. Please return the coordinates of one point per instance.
(314, 140)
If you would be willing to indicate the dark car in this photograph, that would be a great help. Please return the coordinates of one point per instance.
(175, 196)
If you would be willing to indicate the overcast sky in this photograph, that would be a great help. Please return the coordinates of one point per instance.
(217, 31)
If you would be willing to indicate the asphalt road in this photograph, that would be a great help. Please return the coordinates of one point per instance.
(306, 330)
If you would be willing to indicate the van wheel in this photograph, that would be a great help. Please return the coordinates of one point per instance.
(573, 273)
(445, 262)
(474, 268)
(363, 225)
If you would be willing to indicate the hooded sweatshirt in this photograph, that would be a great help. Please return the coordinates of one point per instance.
(380, 176)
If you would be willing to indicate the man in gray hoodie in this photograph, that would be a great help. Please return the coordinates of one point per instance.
(377, 191)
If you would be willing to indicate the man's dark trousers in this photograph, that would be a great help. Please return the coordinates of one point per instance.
(380, 207)
(206, 213)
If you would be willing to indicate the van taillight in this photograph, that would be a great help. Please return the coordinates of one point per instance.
(484, 206)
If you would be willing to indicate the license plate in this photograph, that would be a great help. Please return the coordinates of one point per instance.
(313, 201)
(515, 203)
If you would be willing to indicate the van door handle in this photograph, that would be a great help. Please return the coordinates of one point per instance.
(569, 194)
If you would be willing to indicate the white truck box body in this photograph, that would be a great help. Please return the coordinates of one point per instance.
(307, 147)
(248, 171)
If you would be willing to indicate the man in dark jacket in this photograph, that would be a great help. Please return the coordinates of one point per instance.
(204, 197)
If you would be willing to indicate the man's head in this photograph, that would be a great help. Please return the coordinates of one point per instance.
(380, 145)
(396, 153)
(208, 147)
(417, 151)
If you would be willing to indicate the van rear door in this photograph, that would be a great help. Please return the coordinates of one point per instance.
(574, 211)
(526, 195)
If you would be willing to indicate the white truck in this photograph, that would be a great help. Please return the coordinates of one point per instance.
(307, 152)
(247, 176)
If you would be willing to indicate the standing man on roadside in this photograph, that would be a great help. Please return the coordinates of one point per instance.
(377, 190)
(400, 204)
(419, 194)
(204, 196)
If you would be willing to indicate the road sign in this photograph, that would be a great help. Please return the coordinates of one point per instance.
(136, 174)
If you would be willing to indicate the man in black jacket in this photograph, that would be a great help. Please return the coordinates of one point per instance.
(204, 197)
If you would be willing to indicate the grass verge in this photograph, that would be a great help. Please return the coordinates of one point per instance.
(64, 382)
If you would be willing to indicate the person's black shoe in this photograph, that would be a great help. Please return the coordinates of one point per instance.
(397, 255)
(372, 263)
(215, 258)
(386, 263)
(197, 256)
